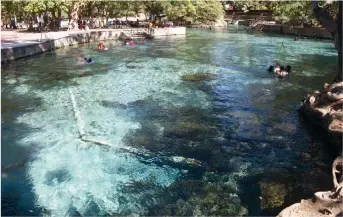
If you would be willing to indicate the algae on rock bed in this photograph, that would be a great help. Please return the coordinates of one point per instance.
(204, 76)
(272, 194)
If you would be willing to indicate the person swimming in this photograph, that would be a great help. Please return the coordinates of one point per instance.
(128, 42)
(88, 60)
(279, 70)
(101, 46)
(284, 71)
(84, 60)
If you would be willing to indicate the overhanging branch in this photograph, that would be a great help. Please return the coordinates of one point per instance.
(324, 17)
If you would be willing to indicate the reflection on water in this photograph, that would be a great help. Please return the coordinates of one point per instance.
(179, 145)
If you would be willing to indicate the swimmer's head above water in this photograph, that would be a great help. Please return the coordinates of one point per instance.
(88, 60)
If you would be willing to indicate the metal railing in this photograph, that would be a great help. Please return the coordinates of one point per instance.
(236, 19)
(132, 31)
(47, 36)
(253, 23)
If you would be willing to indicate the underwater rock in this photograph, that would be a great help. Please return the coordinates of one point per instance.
(137, 103)
(187, 128)
(114, 104)
(272, 194)
(111, 104)
(131, 67)
(285, 127)
(190, 161)
(324, 108)
(204, 197)
(327, 203)
(204, 76)
(275, 185)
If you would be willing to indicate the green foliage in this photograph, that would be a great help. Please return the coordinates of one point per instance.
(252, 5)
(39, 6)
(208, 11)
(156, 7)
(183, 11)
(292, 12)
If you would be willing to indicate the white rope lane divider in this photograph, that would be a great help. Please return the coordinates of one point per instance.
(79, 121)
(132, 150)
(81, 124)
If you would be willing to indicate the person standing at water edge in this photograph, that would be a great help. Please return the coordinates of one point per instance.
(150, 27)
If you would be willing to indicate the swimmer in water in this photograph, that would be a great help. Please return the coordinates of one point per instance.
(129, 42)
(84, 60)
(88, 60)
(101, 46)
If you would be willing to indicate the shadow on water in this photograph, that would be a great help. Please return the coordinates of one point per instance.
(17, 198)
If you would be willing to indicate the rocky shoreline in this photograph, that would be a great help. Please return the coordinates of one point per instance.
(325, 203)
(324, 108)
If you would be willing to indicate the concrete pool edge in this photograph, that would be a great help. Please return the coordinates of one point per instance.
(57, 40)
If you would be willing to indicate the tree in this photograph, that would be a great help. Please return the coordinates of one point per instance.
(181, 11)
(208, 11)
(156, 7)
(333, 24)
(292, 12)
(251, 5)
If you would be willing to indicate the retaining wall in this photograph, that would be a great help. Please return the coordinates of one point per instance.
(25, 49)
(170, 31)
(306, 32)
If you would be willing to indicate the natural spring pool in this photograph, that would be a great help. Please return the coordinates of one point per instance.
(215, 147)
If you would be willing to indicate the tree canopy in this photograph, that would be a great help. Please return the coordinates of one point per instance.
(184, 11)
(290, 12)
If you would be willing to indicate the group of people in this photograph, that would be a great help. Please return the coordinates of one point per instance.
(280, 71)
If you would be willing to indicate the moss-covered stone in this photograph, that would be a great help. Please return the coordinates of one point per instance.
(199, 77)
(272, 194)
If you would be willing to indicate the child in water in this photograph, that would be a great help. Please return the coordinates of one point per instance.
(84, 60)
(129, 42)
(101, 46)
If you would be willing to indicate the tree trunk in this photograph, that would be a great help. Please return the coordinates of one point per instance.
(30, 29)
(69, 14)
(339, 43)
(334, 27)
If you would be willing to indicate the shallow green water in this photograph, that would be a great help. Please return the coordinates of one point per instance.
(241, 128)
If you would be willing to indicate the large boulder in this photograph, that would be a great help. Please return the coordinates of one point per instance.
(326, 203)
(324, 108)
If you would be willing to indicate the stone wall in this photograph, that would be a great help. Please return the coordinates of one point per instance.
(30, 48)
(305, 32)
(170, 31)
(24, 50)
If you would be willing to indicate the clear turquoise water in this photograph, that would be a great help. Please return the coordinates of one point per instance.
(238, 127)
